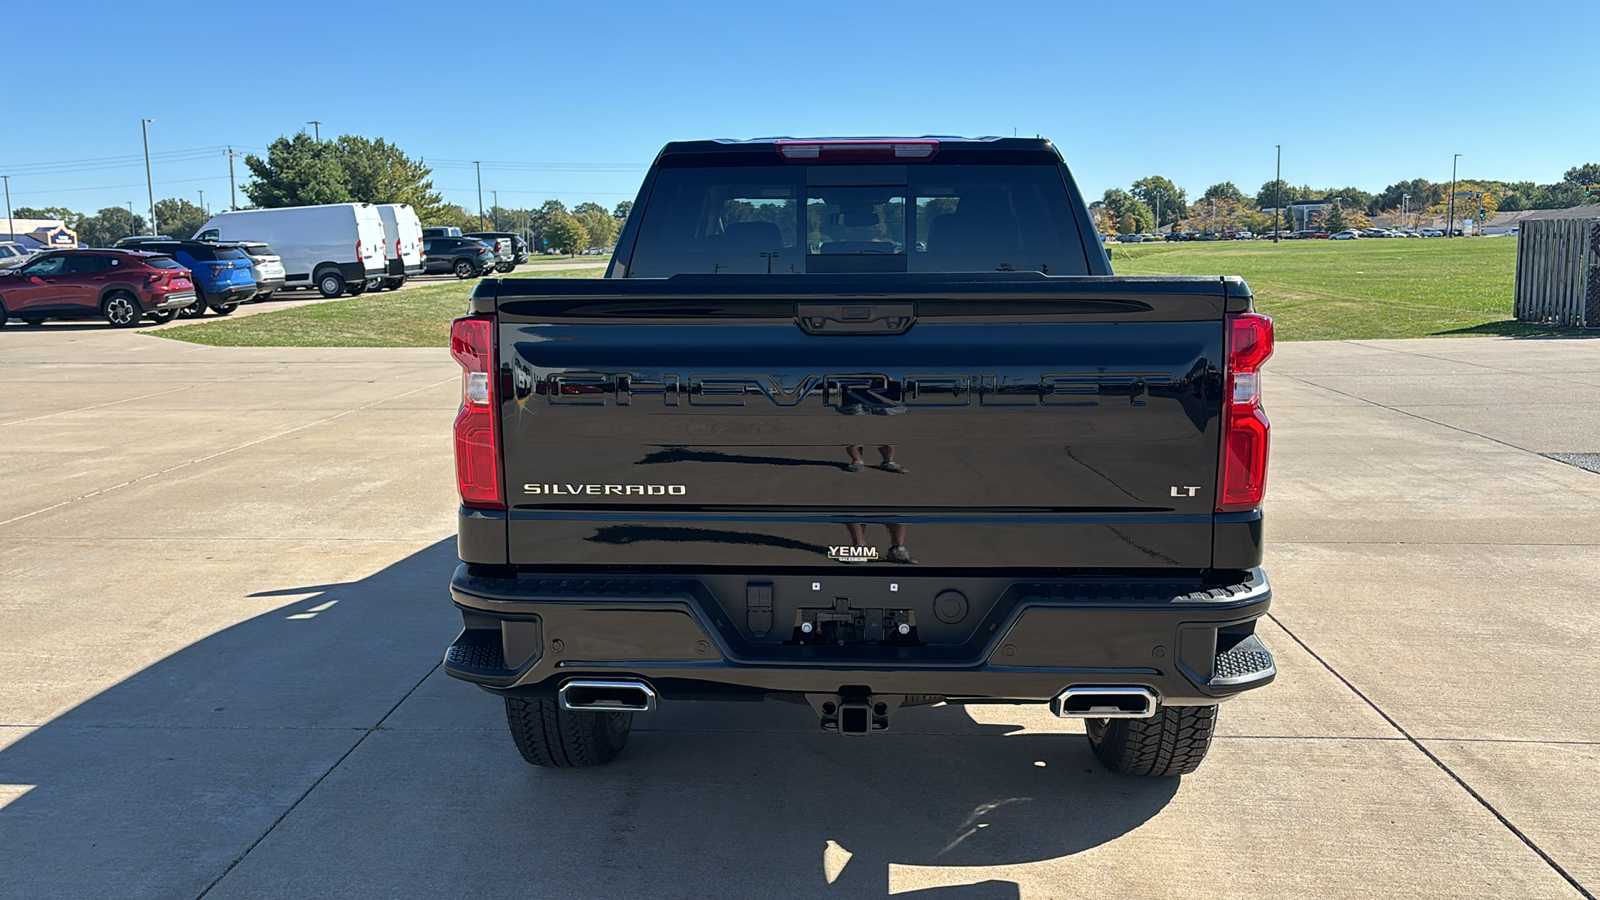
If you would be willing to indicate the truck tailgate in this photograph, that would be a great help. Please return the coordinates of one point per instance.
(997, 423)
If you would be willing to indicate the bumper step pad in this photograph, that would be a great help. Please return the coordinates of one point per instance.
(1247, 661)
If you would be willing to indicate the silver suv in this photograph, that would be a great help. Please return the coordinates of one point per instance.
(13, 254)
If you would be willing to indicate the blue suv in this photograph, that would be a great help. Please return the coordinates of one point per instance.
(223, 276)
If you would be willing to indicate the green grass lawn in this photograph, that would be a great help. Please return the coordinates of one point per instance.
(1372, 288)
(1314, 290)
(415, 317)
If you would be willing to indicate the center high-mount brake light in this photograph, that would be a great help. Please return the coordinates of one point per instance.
(859, 149)
(1242, 471)
(477, 431)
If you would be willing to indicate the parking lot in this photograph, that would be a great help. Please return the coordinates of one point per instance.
(222, 576)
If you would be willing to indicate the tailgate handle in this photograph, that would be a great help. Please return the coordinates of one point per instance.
(855, 318)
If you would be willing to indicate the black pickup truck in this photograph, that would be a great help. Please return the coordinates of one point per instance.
(862, 425)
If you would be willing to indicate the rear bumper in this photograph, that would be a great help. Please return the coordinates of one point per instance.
(175, 300)
(269, 285)
(398, 268)
(528, 636)
(230, 295)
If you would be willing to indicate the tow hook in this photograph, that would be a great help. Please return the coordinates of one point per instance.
(854, 711)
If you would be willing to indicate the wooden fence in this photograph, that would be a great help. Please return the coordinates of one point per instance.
(1558, 272)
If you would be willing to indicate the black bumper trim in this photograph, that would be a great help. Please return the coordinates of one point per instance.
(1038, 639)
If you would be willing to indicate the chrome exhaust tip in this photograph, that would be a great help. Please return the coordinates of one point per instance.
(607, 695)
(1095, 702)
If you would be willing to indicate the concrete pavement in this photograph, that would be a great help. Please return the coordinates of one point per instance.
(221, 578)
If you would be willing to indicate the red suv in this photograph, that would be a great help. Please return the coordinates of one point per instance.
(123, 286)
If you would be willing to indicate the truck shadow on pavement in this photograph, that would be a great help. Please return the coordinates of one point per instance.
(317, 750)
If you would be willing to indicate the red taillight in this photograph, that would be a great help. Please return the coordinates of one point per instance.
(858, 149)
(1242, 472)
(477, 434)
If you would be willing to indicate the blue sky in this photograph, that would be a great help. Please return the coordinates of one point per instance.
(1359, 94)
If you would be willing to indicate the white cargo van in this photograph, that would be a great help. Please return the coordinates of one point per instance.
(402, 242)
(334, 248)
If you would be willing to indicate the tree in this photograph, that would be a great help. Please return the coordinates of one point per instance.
(378, 172)
(1276, 193)
(1334, 220)
(599, 223)
(1223, 191)
(1171, 197)
(1424, 194)
(622, 211)
(1352, 198)
(1130, 213)
(59, 213)
(298, 171)
(565, 233)
(179, 218)
(108, 226)
(1584, 175)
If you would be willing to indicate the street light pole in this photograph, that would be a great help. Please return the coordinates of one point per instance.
(10, 228)
(1277, 195)
(316, 127)
(479, 166)
(233, 195)
(1405, 209)
(495, 210)
(150, 186)
(1450, 205)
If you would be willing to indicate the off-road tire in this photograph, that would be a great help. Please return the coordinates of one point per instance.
(1172, 742)
(547, 735)
(330, 283)
(464, 269)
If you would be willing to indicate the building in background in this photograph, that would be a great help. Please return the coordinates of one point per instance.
(38, 234)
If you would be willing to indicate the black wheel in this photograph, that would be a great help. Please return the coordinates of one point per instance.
(162, 316)
(1172, 742)
(374, 284)
(33, 323)
(464, 269)
(121, 309)
(224, 309)
(547, 735)
(261, 297)
(357, 288)
(197, 308)
(503, 268)
(330, 284)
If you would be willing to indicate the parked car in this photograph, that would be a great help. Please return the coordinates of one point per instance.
(1130, 238)
(465, 257)
(268, 269)
(503, 242)
(1344, 235)
(223, 274)
(1431, 232)
(335, 248)
(121, 286)
(433, 231)
(402, 244)
(1243, 236)
(13, 254)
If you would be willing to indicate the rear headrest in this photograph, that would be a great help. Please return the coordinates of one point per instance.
(752, 235)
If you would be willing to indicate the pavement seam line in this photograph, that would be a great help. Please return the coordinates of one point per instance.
(1462, 782)
(365, 733)
(211, 456)
(1402, 412)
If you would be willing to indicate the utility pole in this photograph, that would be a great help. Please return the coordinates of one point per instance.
(316, 127)
(495, 210)
(1405, 208)
(1158, 215)
(479, 166)
(1450, 205)
(10, 228)
(203, 204)
(144, 126)
(1277, 195)
(233, 195)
